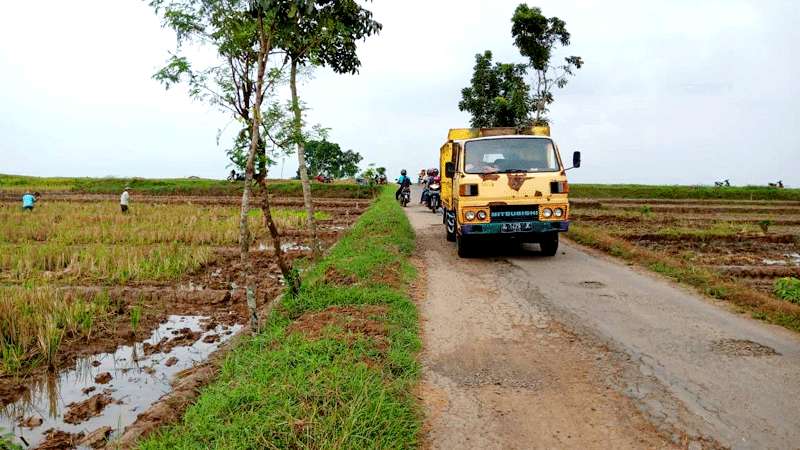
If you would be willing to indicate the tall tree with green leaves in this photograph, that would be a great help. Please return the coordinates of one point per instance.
(321, 33)
(243, 34)
(536, 36)
(498, 95)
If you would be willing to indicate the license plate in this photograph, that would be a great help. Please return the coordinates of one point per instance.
(515, 227)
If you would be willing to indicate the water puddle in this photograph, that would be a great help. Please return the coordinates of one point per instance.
(791, 259)
(289, 246)
(773, 262)
(286, 246)
(111, 389)
(794, 258)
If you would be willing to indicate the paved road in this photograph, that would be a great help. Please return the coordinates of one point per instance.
(605, 354)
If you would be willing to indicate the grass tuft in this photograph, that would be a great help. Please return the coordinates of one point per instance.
(788, 289)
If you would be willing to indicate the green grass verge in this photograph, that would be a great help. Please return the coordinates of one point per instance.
(173, 186)
(712, 284)
(287, 389)
(681, 192)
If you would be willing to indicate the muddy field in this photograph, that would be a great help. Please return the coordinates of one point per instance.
(755, 242)
(101, 312)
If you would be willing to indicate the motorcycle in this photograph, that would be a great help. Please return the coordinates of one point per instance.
(405, 196)
(434, 196)
(234, 176)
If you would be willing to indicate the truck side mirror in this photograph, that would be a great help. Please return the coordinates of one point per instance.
(576, 159)
(449, 169)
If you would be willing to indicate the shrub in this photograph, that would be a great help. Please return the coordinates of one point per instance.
(788, 288)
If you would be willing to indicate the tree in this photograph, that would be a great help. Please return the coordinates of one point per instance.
(243, 34)
(536, 36)
(327, 158)
(322, 33)
(498, 95)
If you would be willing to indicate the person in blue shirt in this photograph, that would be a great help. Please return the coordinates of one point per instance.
(28, 200)
(403, 181)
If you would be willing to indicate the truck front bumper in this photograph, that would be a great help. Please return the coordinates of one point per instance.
(523, 230)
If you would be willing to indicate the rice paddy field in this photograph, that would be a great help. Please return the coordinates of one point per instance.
(80, 279)
(739, 245)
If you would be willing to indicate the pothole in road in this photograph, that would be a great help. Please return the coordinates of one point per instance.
(591, 284)
(494, 362)
(741, 347)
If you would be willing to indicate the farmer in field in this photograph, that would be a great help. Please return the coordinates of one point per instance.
(28, 200)
(124, 200)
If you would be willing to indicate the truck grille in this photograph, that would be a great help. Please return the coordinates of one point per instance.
(514, 213)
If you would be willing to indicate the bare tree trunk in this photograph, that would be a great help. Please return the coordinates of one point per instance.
(244, 231)
(291, 277)
(301, 158)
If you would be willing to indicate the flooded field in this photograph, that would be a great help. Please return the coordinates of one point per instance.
(107, 391)
(103, 312)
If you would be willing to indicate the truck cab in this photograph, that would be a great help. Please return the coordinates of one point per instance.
(504, 183)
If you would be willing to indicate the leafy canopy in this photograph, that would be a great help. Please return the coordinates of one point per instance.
(498, 95)
(325, 33)
(327, 158)
(536, 36)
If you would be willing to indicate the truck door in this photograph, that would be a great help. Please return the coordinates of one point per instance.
(445, 156)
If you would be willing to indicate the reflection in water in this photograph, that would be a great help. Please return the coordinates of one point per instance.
(138, 380)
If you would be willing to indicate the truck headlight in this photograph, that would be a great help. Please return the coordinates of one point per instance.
(481, 215)
(469, 215)
(558, 212)
(547, 213)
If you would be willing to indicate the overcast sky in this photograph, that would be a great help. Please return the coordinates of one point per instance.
(684, 92)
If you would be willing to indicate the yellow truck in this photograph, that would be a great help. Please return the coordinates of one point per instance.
(504, 183)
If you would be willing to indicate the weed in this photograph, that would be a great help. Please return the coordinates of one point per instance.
(6, 441)
(788, 289)
(49, 338)
(136, 317)
(764, 225)
(645, 210)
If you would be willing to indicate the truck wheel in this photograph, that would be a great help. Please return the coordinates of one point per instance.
(549, 244)
(464, 251)
(450, 225)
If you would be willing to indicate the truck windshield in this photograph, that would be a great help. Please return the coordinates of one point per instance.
(510, 155)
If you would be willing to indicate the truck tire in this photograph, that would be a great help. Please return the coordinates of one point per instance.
(464, 250)
(450, 225)
(549, 244)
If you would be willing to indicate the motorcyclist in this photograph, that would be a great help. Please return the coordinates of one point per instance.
(435, 180)
(432, 173)
(404, 182)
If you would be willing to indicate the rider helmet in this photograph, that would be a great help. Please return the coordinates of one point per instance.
(403, 172)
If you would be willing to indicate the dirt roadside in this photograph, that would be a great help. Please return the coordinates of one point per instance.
(501, 373)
